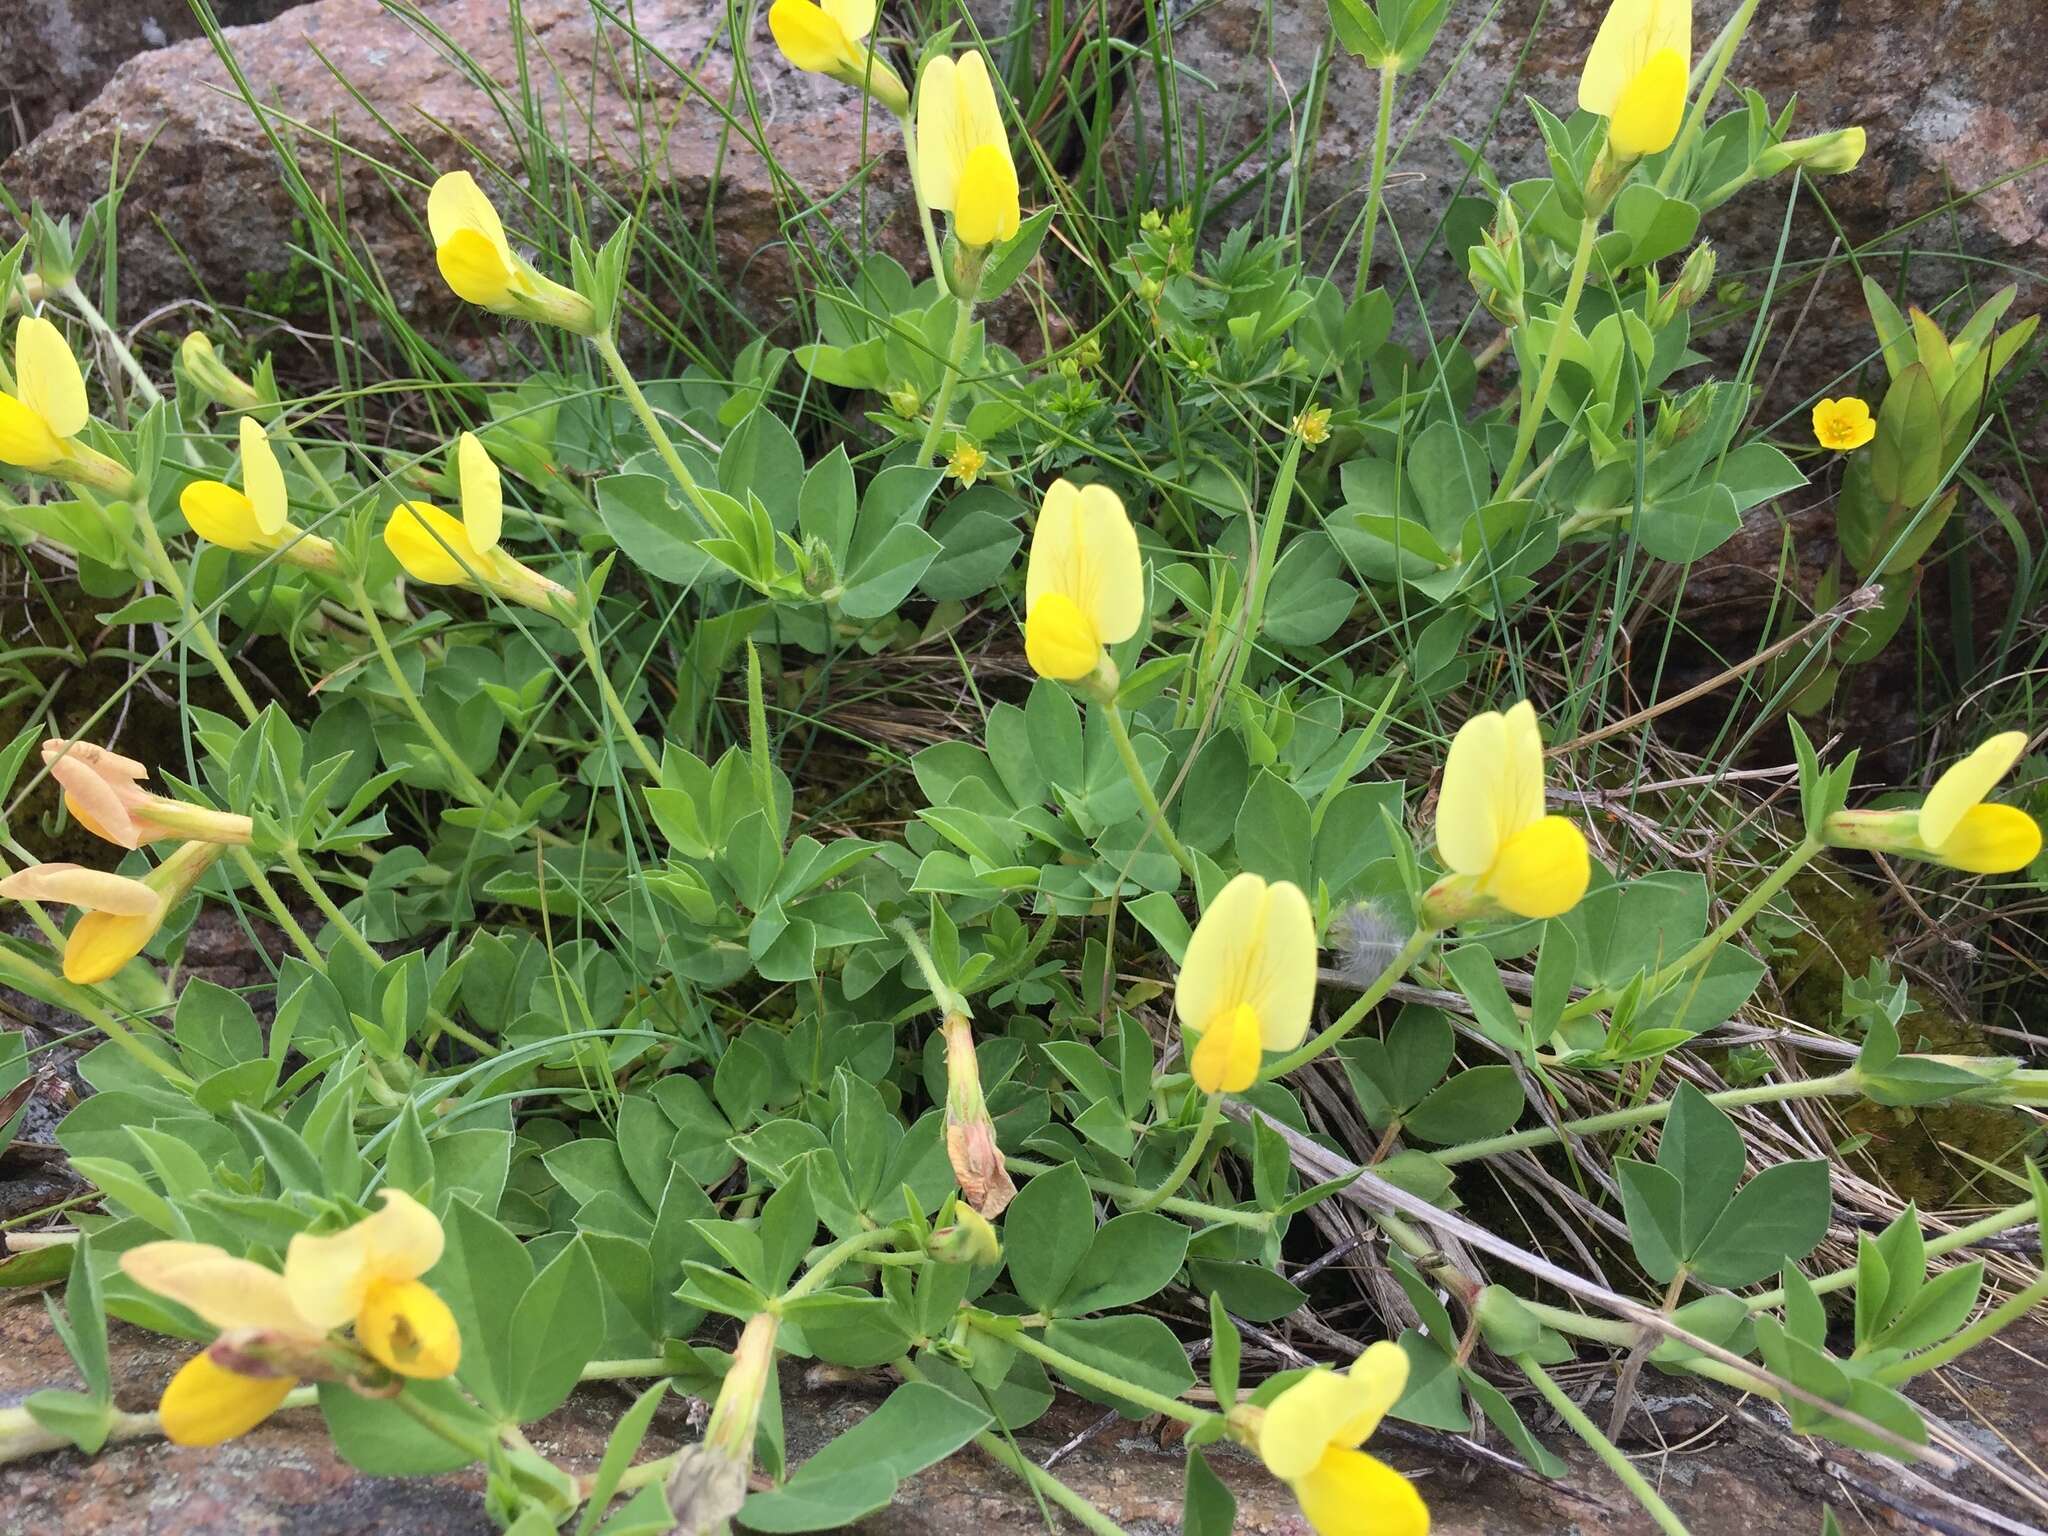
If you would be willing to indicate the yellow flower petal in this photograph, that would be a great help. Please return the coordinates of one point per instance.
(1493, 787)
(205, 1404)
(1650, 108)
(1255, 945)
(1843, 424)
(222, 515)
(217, 1287)
(1348, 1493)
(457, 204)
(26, 440)
(1992, 840)
(1542, 870)
(483, 493)
(262, 478)
(329, 1276)
(985, 202)
(1377, 1379)
(1966, 783)
(101, 943)
(1296, 1428)
(475, 269)
(856, 18)
(1059, 642)
(809, 36)
(1630, 33)
(93, 801)
(409, 1329)
(47, 378)
(956, 114)
(432, 546)
(1084, 547)
(93, 889)
(1226, 1056)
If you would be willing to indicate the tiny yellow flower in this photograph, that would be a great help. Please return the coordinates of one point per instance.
(275, 1327)
(829, 37)
(1954, 826)
(1312, 426)
(1635, 74)
(444, 551)
(104, 794)
(1309, 1438)
(1247, 982)
(1843, 424)
(121, 915)
(966, 462)
(478, 262)
(1505, 854)
(48, 410)
(963, 155)
(1084, 587)
(255, 520)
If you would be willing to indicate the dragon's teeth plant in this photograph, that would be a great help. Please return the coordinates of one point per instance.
(255, 520)
(479, 264)
(121, 915)
(1247, 983)
(1954, 825)
(1635, 74)
(1506, 855)
(1309, 1437)
(41, 420)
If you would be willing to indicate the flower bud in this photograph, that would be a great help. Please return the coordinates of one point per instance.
(977, 1160)
(1823, 154)
(212, 377)
(969, 1240)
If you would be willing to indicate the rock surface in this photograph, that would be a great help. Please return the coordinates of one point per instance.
(78, 44)
(207, 199)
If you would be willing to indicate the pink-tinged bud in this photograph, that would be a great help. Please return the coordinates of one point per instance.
(977, 1161)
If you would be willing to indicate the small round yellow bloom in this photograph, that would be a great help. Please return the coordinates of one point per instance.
(1310, 1436)
(1247, 982)
(1490, 825)
(1635, 74)
(963, 154)
(1843, 424)
(1084, 586)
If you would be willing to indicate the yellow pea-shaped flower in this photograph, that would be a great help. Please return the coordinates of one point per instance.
(442, 550)
(1635, 74)
(1247, 983)
(121, 915)
(1084, 585)
(479, 264)
(1504, 853)
(963, 153)
(48, 409)
(1954, 825)
(829, 37)
(1309, 1438)
(255, 520)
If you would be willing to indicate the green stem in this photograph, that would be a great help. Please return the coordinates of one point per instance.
(196, 626)
(1533, 407)
(467, 784)
(97, 323)
(999, 1451)
(253, 872)
(956, 356)
(476, 1446)
(1349, 1020)
(1377, 189)
(934, 252)
(1836, 1085)
(1752, 904)
(36, 981)
(1155, 814)
(608, 350)
(944, 997)
(830, 1260)
(1212, 1112)
(1604, 1448)
(1012, 1332)
(612, 702)
(1268, 555)
(1123, 1194)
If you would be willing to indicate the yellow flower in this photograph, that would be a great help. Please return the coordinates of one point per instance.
(48, 410)
(1843, 424)
(443, 551)
(1247, 982)
(1504, 853)
(1084, 586)
(966, 462)
(1953, 825)
(830, 38)
(121, 915)
(257, 519)
(963, 155)
(478, 262)
(1635, 75)
(104, 794)
(1310, 1436)
(275, 1328)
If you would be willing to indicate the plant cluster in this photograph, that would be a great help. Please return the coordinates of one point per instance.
(605, 1045)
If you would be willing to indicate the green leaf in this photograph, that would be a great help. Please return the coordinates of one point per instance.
(1778, 1217)
(379, 1437)
(1140, 1349)
(1133, 1257)
(556, 1328)
(1702, 1149)
(920, 1425)
(1047, 1231)
(1208, 1507)
(1654, 1203)
(1481, 1102)
(653, 532)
